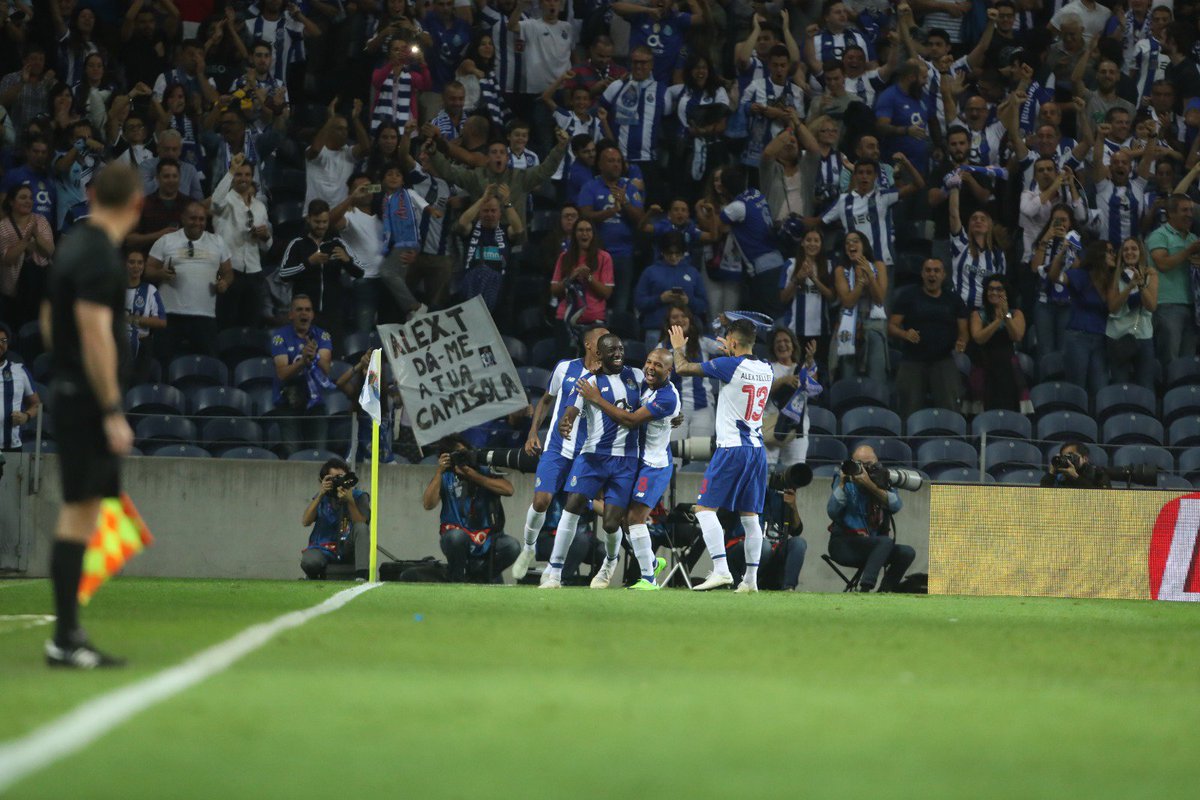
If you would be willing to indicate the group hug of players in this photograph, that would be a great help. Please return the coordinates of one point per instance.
(610, 438)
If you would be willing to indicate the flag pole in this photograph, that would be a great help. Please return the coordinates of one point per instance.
(374, 568)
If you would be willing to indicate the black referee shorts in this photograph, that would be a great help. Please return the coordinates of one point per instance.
(89, 470)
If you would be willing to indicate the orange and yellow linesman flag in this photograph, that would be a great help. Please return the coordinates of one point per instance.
(120, 534)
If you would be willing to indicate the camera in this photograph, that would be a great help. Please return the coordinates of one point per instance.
(337, 482)
(511, 458)
(885, 477)
(696, 448)
(1065, 461)
(797, 476)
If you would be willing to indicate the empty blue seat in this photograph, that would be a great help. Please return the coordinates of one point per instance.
(890, 450)
(1051, 366)
(353, 345)
(1002, 423)
(1131, 454)
(234, 345)
(1183, 371)
(189, 372)
(517, 350)
(820, 420)
(534, 378)
(219, 401)
(960, 475)
(1062, 426)
(1132, 429)
(1058, 396)
(635, 353)
(1173, 482)
(336, 402)
(250, 453)
(825, 449)
(154, 398)
(851, 393)
(1184, 432)
(315, 455)
(1124, 398)
(1022, 477)
(1179, 402)
(254, 372)
(219, 435)
(935, 422)
(164, 428)
(28, 445)
(1189, 463)
(262, 400)
(870, 421)
(1011, 455)
(42, 367)
(181, 451)
(940, 453)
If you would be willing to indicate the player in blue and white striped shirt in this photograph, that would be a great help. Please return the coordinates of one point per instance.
(660, 405)
(559, 452)
(607, 461)
(736, 478)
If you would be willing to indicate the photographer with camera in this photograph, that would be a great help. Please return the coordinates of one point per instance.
(1070, 469)
(472, 520)
(784, 547)
(861, 507)
(339, 514)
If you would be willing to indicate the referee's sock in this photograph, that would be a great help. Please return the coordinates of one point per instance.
(639, 537)
(533, 526)
(567, 524)
(66, 568)
(753, 545)
(714, 540)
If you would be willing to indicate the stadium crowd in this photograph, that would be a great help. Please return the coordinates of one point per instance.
(939, 203)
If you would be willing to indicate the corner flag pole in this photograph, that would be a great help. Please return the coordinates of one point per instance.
(374, 568)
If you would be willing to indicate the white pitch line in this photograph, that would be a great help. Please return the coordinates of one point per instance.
(24, 621)
(78, 728)
(14, 584)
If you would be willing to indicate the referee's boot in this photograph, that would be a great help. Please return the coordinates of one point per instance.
(79, 654)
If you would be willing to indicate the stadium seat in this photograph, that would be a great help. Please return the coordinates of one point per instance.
(545, 353)
(154, 398)
(635, 353)
(338, 368)
(42, 367)
(190, 372)
(1189, 464)
(821, 420)
(1022, 477)
(287, 219)
(941, 453)
(219, 435)
(235, 345)
(253, 373)
(531, 322)
(336, 402)
(355, 344)
(624, 324)
(262, 400)
(517, 350)
(219, 401)
(935, 422)
(1028, 368)
(960, 475)
(1132, 454)
(315, 455)
(29, 340)
(1011, 455)
(1051, 367)
(1173, 482)
(825, 450)
(1182, 401)
(28, 445)
(890, 450)
(826, 471)
(1002, 423)
(1061, 426)
(164, 428)
(181, 451)
(1058, 396)
(534, 378)
(1183, 372)
(1132, 429)
(851, 393)
(870, 421)
(1124, 398)
(1184, 432)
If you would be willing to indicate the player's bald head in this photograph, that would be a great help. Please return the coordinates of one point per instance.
(662, 355)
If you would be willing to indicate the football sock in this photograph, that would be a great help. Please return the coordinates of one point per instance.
(753, 545)
(612, 545)
(66, 568)
(533, 526)
(567, 524)
(639, 537)
(714, 540)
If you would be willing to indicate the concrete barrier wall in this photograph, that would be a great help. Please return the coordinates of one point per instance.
(215, 518)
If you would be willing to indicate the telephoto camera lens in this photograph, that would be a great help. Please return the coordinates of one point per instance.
(513, 458)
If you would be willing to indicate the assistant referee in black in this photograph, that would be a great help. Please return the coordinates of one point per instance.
(83, 322)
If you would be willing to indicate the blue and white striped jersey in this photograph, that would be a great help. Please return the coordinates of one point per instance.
(635, 115)
(968, 270)
(562, 389)
(742, 399)
(870, 215)
(664, 404)
(604, 436)
(1119, 209)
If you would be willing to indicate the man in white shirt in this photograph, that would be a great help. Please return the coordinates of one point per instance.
(1091, 14)
(331, 158)
(240, 219)
(362, 231)
(548, 44)
(191, 267)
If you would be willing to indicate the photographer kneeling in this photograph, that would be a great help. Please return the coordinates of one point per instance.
(471, 517)
(339, 515)
(1070, 469)
(861, 508)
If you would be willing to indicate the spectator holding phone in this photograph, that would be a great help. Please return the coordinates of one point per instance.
(314, 264)
(669, 281)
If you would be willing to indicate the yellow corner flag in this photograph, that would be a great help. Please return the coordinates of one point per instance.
(370, 401)
(120, 534)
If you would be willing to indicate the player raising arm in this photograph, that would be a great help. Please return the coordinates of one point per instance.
(736, 478)
(660, 405)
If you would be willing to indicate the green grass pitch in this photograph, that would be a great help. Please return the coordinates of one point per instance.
(496, 692)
